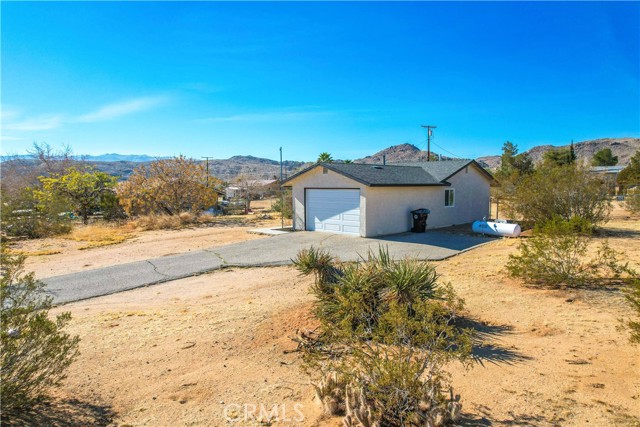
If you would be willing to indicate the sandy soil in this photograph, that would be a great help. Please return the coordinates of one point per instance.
(181, 353)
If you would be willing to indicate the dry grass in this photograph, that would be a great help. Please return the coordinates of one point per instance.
(98, 235)
(188, 219)
(168, 222)
(36, 253)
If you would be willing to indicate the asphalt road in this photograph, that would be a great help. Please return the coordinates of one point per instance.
(276, 250)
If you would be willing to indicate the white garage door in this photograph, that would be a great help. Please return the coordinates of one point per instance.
(333, 210)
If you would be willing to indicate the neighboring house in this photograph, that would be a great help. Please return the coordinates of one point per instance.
(375, 200)
(232, 192)
(609, 175)
(259, 188)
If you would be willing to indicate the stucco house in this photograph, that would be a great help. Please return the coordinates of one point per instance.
(375, 200)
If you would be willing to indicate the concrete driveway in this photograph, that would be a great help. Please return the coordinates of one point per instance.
(276, 250)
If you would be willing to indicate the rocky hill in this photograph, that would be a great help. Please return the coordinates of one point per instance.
(397, 154)
(624, 148)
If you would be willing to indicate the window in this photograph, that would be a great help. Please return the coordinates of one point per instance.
(449, 198)
(325, 171)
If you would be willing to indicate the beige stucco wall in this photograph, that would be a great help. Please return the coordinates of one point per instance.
(386, 210)
(316, 179)
(385, 205)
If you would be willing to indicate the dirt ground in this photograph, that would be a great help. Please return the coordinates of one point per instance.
(193, 352)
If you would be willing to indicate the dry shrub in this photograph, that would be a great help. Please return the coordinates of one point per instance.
(206, 218)
(169, 222)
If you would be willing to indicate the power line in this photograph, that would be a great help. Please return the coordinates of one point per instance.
(447, 151)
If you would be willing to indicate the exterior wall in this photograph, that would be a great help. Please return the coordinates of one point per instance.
(386, 210)
(316, 179)
(471, 196)
(389, 208)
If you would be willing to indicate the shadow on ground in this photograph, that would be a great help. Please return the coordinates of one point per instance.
(616, 232)
(458, 238)
(62, 413)
(486, 346)
(481, 417)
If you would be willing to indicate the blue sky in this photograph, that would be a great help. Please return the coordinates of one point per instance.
(221, 79)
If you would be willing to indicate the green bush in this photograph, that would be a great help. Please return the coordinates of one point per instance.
(286, 208)
(22, 217)
(566, 191)
(632, 294)
(387, 329)
(557, 256)
(35, 352)
(632, 200)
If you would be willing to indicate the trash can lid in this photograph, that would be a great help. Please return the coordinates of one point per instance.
(421, 211)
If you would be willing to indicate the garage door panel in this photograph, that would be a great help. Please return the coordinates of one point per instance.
(335, 210)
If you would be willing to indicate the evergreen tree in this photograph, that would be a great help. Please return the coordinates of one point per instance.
(604, 157)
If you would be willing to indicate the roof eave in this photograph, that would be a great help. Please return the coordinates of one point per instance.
(482, 170)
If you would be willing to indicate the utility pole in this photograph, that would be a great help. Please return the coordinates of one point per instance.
(429, 131)
(281, 194)
(205, 157)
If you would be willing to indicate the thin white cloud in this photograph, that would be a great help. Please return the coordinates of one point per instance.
(283, 115)
(8, 113)
(119, 109)
(10, 138)
(12, 118)
(35, 123)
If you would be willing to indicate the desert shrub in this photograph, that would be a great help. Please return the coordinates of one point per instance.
(387, 329)
(23, 217)
(557, 255)
(565, 191)
(632, 294)
(110, 207)
(167, 186)
(35, 350)
(286, 208)
(632, 200)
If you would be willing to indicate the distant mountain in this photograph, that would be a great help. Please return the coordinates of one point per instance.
(397, 154)
(228, 169)
(114, 157)
(122, 165)
(624, 148)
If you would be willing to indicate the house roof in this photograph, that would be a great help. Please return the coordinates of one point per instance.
(606, 169)
(397, 174)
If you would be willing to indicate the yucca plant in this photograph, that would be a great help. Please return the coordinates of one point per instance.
(321, 264)
(409, 281)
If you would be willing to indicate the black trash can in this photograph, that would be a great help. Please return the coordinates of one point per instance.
(419, 217)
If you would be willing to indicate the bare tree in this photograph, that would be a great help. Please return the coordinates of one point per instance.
(19, 172)
(249, 187)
